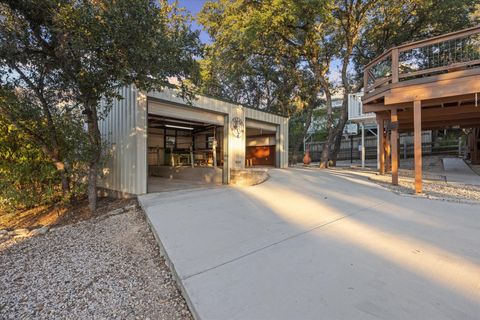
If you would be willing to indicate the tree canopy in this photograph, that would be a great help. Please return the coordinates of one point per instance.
(84, 51)
(280, 54)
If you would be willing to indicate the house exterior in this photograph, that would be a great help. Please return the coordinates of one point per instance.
(429, 84)
(159, 134)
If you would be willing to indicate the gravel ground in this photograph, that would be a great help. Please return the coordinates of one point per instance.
(108, 267)
(434, 180)
(436, 189)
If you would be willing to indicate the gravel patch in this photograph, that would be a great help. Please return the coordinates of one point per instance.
(433, 189)
(107, 267)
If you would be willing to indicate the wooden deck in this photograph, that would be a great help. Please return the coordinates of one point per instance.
(425, 85)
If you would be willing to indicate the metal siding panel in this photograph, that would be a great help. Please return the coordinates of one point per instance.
(121, 112)
(260, 125)
(141, 140)
(128, 119)
(173, 111)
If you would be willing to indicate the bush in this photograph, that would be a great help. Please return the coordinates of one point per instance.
(27, 177)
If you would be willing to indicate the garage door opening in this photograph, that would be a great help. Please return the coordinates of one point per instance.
(183, 153)
(260, 146)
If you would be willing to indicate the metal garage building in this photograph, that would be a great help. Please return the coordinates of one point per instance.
(157, 135)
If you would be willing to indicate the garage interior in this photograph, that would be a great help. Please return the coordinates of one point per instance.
(183, 153)
(260, 145)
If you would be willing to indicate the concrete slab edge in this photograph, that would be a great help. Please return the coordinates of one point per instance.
(170, 264)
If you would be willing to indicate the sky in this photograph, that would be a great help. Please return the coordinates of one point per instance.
(194, 7)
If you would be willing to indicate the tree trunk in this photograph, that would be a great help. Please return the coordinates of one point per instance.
(64, 177)
(325, 156)
(339, 130)
(96, 144)
(336, 146)
(92, 186)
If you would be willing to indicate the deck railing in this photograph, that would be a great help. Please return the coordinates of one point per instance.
(450, 52)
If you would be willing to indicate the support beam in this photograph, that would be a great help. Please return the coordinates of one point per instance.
(394, 146)
(417, 120)
(395, 65)
(381, 142)
(388, 151)
(363, 144)
(432, 125)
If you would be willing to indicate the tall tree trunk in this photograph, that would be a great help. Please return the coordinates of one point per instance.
(96, 144)
(347, 89)
(61, 167)
(339, 130)
(325, 155)
(92, 186)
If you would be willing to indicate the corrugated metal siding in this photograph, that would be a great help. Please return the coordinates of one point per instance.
(123, 132)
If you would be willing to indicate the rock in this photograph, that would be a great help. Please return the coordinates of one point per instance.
(39, 231)
(21, 232)
(114, 212)
(130, 207)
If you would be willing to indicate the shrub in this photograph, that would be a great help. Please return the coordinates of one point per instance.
(27, 176)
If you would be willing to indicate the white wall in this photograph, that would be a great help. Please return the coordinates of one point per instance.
(123, 132)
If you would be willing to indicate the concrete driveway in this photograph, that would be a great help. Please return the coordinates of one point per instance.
(311, 244)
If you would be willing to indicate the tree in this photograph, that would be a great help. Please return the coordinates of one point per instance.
(96, 47)
(278, 50)
(27, 176)
(304, 37)
(49, 125)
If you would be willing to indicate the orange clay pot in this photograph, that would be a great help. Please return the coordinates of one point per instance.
(306, 159)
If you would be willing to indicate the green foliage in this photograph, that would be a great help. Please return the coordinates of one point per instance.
(394, 22)
(264, 53)
(85, 51)
(27, 176)
(277, 54)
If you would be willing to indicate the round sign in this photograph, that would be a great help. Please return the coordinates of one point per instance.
(237, 126)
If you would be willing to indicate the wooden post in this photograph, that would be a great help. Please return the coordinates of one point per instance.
(395, 65)
(365, 80)
(381, 142)
(394, 144)
(417, 125)
(388, 162)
